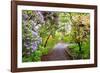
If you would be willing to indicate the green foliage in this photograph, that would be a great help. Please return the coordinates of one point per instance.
(68, 39)
(37, 55)
(49, 28)
(74, 47)
(85, 53)
(44, 50)
(86, 49)
(27, 59)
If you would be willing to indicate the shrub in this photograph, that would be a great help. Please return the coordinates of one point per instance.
(37, 55)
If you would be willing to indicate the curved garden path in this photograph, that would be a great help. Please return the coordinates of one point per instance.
(58, 53)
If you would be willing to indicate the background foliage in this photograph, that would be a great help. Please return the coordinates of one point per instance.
(42, 30)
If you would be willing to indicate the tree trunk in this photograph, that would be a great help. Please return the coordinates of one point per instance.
(80, 51)
(47, 40)
(79, 44)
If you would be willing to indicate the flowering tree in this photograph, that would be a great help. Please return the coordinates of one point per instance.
(80, 29)
(30, 38)
(38, 27)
